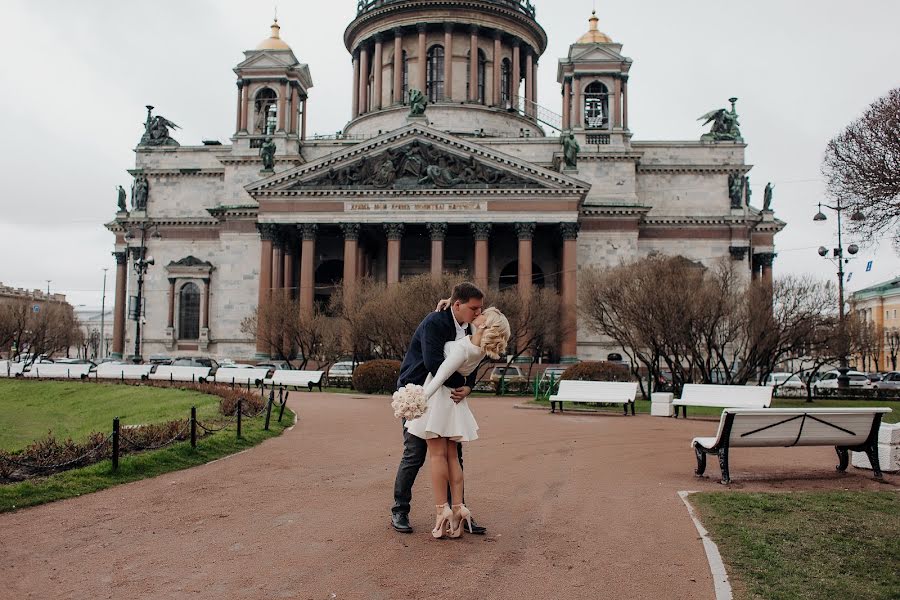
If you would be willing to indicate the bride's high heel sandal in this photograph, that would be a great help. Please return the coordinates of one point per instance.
(442, 520)
(460, 514)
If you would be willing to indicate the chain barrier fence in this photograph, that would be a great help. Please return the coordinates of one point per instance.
(112, 446)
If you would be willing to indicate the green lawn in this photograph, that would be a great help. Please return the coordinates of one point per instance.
(807, 545)
(29, 409)
(132, 467)
(643, 406)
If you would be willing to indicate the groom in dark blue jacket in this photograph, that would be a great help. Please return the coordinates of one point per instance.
(424, 356)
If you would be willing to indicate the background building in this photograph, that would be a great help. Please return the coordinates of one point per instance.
(879, 305)
(480, 182)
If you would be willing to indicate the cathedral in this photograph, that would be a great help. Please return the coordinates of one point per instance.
(449, 162)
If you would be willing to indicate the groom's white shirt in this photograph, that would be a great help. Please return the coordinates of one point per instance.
(460, 329)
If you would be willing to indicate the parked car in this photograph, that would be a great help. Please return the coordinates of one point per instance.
(786, 383)
(890, 381)
(829, 381)
(159, 359)
(554, 372)
(341, 373)
(196, 361)
(873, 376)
(76, 361)
(275, 365)
(509, 374)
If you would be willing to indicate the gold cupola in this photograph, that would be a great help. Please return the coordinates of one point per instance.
(594, 35)
(274, 41)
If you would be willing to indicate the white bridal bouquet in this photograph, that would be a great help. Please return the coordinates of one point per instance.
(409, 402)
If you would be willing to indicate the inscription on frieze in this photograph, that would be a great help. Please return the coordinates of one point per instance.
(458, 206)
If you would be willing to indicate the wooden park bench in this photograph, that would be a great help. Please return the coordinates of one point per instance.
(234, 376)
(723, 396)
(844, 428)
(296, 379)
(609, 392)
(57, 371)
(181, 374)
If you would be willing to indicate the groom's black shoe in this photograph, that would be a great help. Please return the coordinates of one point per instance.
(476, 528)
(400, 522)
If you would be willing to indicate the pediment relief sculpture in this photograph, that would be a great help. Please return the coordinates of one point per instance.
(416, 165)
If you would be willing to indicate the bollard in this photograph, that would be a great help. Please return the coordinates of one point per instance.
(248, 384)
(193, 378)
(115, 448)
(269, 408)
(283, 402)
(193, 427)
(239, 418)
(232, 383)
(280, 393)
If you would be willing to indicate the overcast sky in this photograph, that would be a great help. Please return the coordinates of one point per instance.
(76, 75)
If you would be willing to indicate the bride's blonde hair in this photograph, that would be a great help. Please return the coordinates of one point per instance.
(496, 332)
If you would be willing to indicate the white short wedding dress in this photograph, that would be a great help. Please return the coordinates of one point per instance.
(444, 417)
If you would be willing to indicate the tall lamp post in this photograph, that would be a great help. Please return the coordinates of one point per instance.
(837, 256)
(103, 319)
(141, 264)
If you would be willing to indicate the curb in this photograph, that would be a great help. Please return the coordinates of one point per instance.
(716, 566)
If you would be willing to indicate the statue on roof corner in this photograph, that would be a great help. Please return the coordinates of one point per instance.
(725, 128)
(417, 103)
(156, 131)
(570, 150)
(123, 207)
(767, 196)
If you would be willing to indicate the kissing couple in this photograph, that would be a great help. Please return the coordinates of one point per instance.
(443, 357)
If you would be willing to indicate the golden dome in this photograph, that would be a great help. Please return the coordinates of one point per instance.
(594, 35)
(274, 41)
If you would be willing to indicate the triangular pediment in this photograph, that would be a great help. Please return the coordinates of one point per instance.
(416, 157)
(597, 53)
(268, 59)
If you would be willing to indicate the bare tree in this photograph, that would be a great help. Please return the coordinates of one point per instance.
(862, 166)
(892, 346)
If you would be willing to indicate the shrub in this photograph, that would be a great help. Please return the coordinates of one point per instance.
(377, 376)
(596, 371)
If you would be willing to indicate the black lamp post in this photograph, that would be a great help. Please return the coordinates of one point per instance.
(141, 264)
(837, 256)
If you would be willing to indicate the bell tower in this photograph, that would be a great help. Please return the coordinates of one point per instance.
(594, 79)
(272, 89)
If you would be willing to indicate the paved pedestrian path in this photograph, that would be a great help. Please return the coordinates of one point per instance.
(577, 506)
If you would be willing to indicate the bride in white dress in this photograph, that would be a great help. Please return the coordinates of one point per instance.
(447, 423)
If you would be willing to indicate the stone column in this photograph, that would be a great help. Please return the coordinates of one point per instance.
(308, 268)
(118, 349)
(578, 117)
(278, 265)
(766, 259)
(398, 65)
(482, 233)
(497, 96)
(473, 64)
(525, 233)
(267, 236)
(529, 80)
(355, 97)
(289, 267)
(422, 77)
(394, 232)
(204, 307)
(379, 58)
(567, 103)
(294, 112)
(437, 231)
(534, 84)
(568, 293)
(282, 105)
(360, 261)
(363, 80)
(170, 323)
(617, 103)
(448, 61)
(351, 242)
(240, 105)
(516, 76)
(625, 102)
(303, 121)
(245, 105)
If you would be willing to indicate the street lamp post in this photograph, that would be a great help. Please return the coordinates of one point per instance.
(103, 318)
(843, 381)
(141, 264)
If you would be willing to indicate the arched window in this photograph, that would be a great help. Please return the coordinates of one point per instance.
(435, 74)
(596, 106)
(482, 61)
(509, 275)
(189, 312)
(505, 81)
(266, 111)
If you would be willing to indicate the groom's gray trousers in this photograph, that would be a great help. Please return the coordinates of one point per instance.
(415, 450)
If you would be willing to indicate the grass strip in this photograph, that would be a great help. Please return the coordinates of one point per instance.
(807, 545)
(75, 409)
(133, 467)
